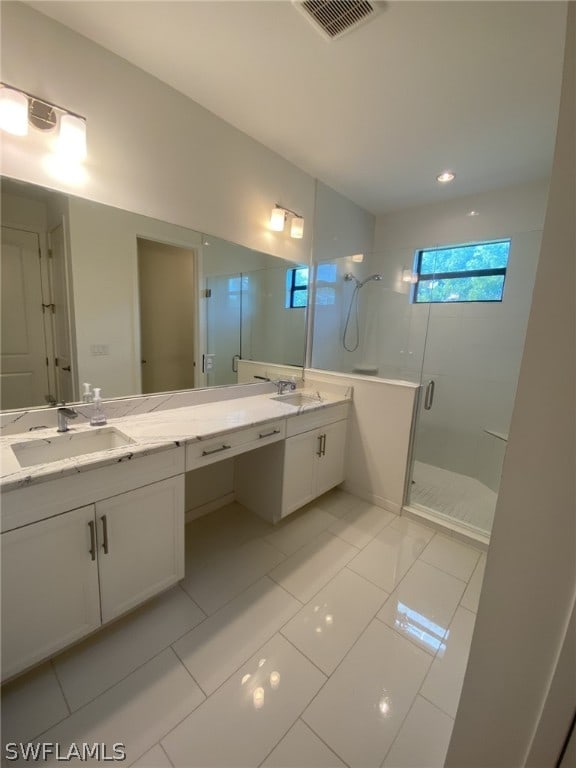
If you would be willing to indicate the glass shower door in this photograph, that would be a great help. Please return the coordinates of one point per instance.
(223, 328)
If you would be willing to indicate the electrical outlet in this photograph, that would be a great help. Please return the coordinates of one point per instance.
(209, 363)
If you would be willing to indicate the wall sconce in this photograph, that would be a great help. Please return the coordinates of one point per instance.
(278, 218)
(358, 258)
(19, 110)
(408, 276)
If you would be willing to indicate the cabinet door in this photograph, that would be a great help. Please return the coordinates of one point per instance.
(49, 587)
(330, 466)
(299, 471)
(140, 544)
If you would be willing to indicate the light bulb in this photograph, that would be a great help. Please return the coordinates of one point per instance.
(277, 218)
(13, 111)
(297, 227)
(72, 137)
(445, 177)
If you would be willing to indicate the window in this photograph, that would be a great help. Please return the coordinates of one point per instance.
(326, 276)
(473, 272)
(297, 288)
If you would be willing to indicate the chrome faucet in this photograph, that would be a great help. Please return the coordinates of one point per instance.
(284, 384)
(63, 415)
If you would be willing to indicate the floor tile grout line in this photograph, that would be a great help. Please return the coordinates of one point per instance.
(410, 708)
(466, 581)
(55, 673)
(419, 693)
(109, 688)
(179, 584)
(166, 753)
(181, 660)
(434, 704)
(325, 743)
(326, 674)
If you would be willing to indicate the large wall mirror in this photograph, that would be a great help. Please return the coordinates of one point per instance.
(133, 305)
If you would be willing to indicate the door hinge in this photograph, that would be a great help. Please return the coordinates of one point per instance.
(47, 363)
(49, 306)
(207, 293)
(56, 362)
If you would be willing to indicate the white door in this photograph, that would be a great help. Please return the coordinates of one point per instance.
(168, 312)
(330, 471)
(49, 588)
(140, 544)
(60, 317)
(24, 357)
(299, 470)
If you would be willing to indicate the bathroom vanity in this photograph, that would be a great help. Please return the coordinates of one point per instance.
(92, 520)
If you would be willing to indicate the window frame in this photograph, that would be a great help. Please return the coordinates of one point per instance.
(297, 288)
(458, 274)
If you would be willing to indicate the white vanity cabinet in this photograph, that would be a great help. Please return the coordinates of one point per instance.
(313, 463)
(64, 576)
(50, 592)
(305, 465)
(140, 538)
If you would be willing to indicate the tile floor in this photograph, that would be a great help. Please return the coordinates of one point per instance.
(338, 638)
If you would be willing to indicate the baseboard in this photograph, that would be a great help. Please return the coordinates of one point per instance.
(373, 498)
(211, 506)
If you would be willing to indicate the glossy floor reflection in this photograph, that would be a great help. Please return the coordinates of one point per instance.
(338, 638)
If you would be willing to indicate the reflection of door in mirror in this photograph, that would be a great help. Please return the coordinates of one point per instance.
(223, 318)
(24, 367)
(166, 278)
(60, 316)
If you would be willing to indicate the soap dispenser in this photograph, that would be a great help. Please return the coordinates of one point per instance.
(98, 417)
(87, 393)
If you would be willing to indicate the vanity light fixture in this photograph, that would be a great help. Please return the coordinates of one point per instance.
(13, 111)
(445, 177)
(358, 258)
(278, 218)
(19, 110)
(472, 213)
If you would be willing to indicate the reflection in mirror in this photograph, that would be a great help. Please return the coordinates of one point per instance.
(92, 293)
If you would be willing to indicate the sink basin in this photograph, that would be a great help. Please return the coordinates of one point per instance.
(68, 445)
(298, 399)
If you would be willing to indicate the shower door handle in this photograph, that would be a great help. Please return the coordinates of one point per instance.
(235, 363)
(429, 396)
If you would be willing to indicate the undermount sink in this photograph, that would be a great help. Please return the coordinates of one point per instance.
(68, 445)
(298, 399)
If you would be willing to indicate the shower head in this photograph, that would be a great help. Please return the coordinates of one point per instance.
(368, 279)
(359, 283)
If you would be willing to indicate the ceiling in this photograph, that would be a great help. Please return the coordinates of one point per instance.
(376, 114)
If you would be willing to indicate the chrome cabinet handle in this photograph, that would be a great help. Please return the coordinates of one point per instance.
(324, 444)
(262, 435)
(105, 534)
(216, 450)
(429, 396)
(319, 451)
(235, 363)
(92, 549)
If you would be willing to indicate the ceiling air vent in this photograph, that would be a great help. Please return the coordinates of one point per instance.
(333, 18)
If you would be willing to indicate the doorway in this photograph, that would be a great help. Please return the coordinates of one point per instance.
(168, 312)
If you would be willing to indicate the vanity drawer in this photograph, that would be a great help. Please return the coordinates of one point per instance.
(203, 452)
(304, 422)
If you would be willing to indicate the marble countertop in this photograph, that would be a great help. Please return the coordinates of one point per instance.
(153, 432)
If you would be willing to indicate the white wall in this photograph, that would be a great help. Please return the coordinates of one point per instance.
(378, 438)
(150, 149)
(529, 584)
(341, 230)
(103, 243)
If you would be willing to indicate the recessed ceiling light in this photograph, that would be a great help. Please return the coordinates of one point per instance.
(472, 213)
(445, 177)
